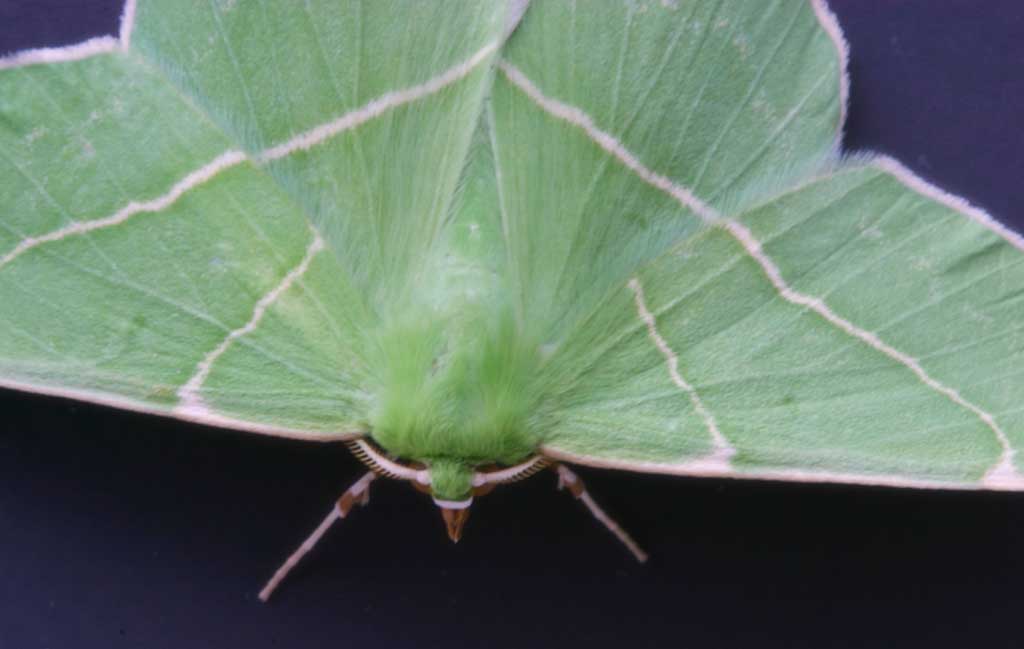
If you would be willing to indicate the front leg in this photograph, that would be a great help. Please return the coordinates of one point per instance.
(357, 494)
(567, 479)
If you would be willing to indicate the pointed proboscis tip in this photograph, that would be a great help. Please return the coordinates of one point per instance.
(455, 514)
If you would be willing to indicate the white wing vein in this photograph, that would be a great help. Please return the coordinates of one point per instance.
(723, 449)
(189, 393)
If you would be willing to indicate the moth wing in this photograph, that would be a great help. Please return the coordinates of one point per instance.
(194, 213)
(706, 311)
(862, 328)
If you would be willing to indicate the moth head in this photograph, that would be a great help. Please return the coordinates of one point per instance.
(451, 482)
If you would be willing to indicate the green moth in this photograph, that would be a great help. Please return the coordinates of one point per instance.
(478, 240)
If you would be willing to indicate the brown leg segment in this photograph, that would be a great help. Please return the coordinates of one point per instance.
(357, 494)
(567, 479)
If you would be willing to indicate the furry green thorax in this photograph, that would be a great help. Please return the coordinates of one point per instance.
(456, 393)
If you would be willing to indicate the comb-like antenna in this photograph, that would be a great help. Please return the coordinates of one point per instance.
(382, 465)
(512, 473)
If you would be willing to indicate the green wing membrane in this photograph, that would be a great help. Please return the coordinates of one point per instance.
(126, 311)
(232, 213)
(721, 95)
(362, 111)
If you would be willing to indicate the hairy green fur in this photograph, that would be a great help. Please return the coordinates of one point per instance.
(450, 479)
(461, 390)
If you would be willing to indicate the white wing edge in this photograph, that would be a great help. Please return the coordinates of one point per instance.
(697, 469)
(959, 204)
(78, 51)
(830, 24)
(127, 23)
(208, 419)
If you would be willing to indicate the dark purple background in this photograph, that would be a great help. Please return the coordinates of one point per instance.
(121, 530)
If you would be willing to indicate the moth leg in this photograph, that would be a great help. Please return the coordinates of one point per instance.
(567, 479)
(357, 494)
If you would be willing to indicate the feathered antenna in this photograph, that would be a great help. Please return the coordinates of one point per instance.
(512, 473)
(382, 465)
